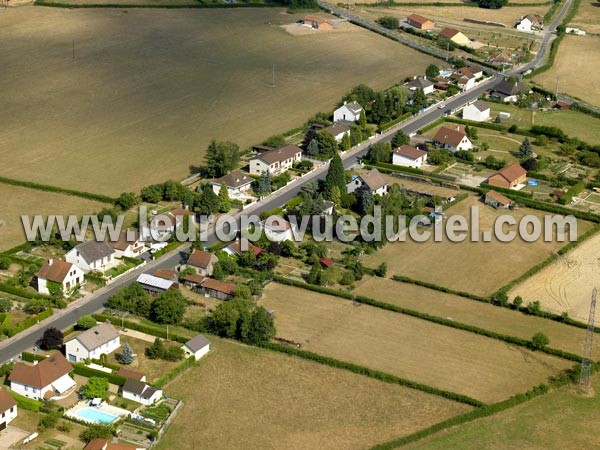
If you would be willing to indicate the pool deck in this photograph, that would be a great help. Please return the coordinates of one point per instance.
(107, 409)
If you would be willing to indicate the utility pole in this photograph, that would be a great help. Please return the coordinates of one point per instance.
(556, 92)
(273, 75)
(73, 48)
(586, 359)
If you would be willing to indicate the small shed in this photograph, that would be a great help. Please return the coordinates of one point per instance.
(196, 347)
(497, 200)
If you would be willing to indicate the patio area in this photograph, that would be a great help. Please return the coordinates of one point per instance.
(101, 414)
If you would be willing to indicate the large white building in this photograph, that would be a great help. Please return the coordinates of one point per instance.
(348, 112)
(42, 380)
(60, 272)
(101, 339)
(8, 409)
(276, 161)
(92, 255)
(409, 156)
(478, 111)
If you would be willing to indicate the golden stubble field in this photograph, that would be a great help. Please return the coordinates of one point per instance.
(588, 16)
(472, 312)
(575, 67)
(566, 285)
(477, 267)
(443, 357)
(149, 88)
(245, 397)
(17, 201)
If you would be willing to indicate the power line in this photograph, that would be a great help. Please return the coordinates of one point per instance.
(586, 359)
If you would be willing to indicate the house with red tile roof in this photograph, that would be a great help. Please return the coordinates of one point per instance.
(453, 139)
(509, 177)
(59, 274)
(42, 380)
(202, 262)
(409, 156)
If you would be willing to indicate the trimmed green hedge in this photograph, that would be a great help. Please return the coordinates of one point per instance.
(184, 6)
(85, 371)
(435, 287)
(167, 377)
(154, 330)
(170, 247)
(22, 292)
(387, 125)
(378, 375)
(31, 357)
(44, 187)
(29, 322)
(28, 404)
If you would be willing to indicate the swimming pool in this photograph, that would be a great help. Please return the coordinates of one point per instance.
(445, 73)
(95, 416)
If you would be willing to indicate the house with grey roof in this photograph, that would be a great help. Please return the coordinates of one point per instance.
(276, 161)
(508, 90)
(372, 180)
(154, 285)
(348, 112)
(478, 111)
(196, 347)
(238, 183)
(428, 86)
(92, 255)
(141, 392)
(101, 339)
(338, 131)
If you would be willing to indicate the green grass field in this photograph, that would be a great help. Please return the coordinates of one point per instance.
(556, 421)
(575, 124)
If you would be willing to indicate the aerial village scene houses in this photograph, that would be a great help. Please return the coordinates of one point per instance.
(145, 341)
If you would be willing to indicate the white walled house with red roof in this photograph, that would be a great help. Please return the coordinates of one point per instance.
(42, 380)
(59, 272)
(8, 409)
(409, 156)
(277, 229)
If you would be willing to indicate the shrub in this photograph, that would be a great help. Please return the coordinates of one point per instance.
(86, 322)
(52, 339)
(96, 387)
(4, 262)
(48, 421)
(96, 432)
(539, 341)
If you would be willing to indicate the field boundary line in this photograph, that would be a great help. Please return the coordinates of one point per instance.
(569, 377)
(165, 6)
(371, 373)
(57, 190)
(525, 343)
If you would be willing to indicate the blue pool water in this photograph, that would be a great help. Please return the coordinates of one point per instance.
(93, 415)
(445, 73)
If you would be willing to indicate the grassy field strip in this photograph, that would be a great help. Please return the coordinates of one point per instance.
(484, 315)
(439, 356)
(252, 398)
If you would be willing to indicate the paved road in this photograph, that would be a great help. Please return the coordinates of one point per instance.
(12, 347)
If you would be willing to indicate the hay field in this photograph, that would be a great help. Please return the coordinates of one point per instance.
(575, 124)
(576, 62)
(486, 369)
(18, 200)
(245, 397)
(566, 284)
(483, 315)
(477, 267)
(149, 88)
(588, 16)
(556, 421)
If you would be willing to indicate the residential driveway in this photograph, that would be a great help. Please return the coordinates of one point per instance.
(137, 335)
(11, 436)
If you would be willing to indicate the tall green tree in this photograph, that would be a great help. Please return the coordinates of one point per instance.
(126, 357)
(380, 152)
(264, 184)
(96, 387)
(526, 150)
(432, 71)
(356, 136)
(346, 142)
(313, 147)
(221, 158)
(209, 201)
(168, 307)
(362, 121)
(335, 176)
(400, 138)
(328, 146)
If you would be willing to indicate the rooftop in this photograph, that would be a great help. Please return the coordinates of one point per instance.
(54, 270)
(408, 151)
(197, 343)
(279, 154)
(97, 336)
(92, 251)
(43, 373)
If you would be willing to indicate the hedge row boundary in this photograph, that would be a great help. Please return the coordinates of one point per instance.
(148, 329)
(376, 374)
(85, 371)
(181, 6)
(26, 403)
(58, 190)
(434, 319)
(171, 375)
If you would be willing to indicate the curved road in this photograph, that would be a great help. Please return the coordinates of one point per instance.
(12, 347)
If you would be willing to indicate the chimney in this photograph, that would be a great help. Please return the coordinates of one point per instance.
(50, 261)
(345, 102)
(35, 362)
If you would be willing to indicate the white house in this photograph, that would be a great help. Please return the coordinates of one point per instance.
(42, 380)
(98, 340)
(8, 409)
(478, 111)
(338, 131)
(421, 83)
(530, 23)
(348, 112)
(196, 347)
(92, 255)
(128, 244)
(141, 392)
(372, 180)
(60, 272)
(238, 184)
(241, 245)
(508, 91)
(277, 229)
(162, 226)
(453, 139)
(409, 156)
(276, 161)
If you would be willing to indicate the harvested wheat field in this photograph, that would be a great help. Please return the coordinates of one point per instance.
(566, 285)
(472, 312)
(575, 65)
(439, 356)
(468, 266)
(245, 397)
(149, 88)
(17, 201)
(587, 17)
